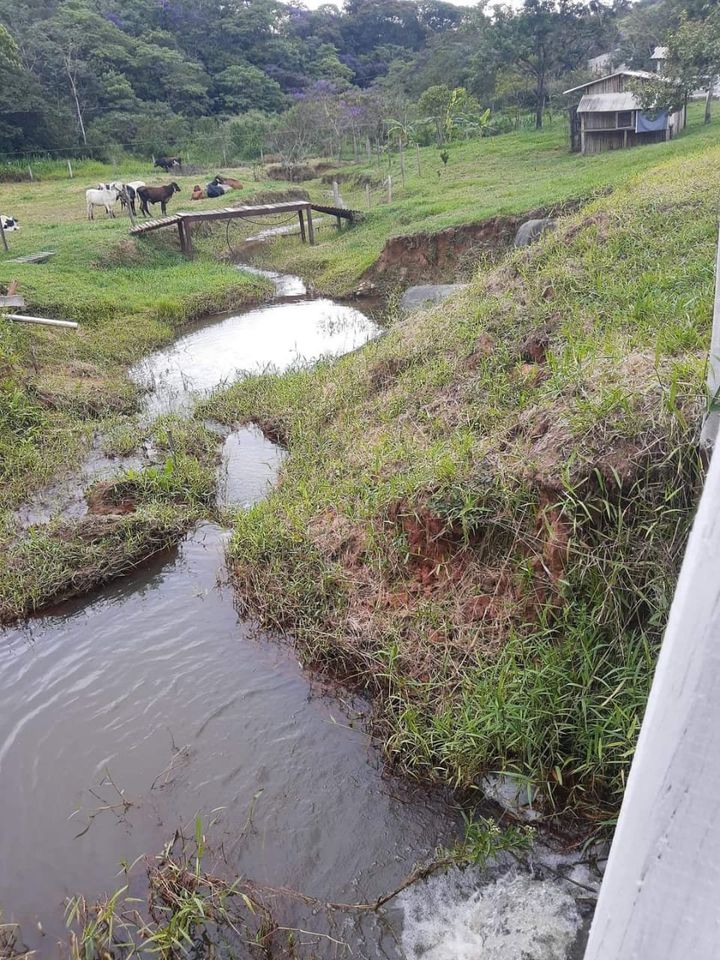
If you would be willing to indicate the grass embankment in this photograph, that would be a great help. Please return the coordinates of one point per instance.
(482, 514)
(59, 388)
(504, 175)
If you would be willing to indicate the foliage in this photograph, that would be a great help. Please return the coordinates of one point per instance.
(544, 39)
(146, 78)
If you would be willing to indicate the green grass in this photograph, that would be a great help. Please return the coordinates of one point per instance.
(486, 541)
(128, 298)
(60, 388)
(508, 174)
(485, 538)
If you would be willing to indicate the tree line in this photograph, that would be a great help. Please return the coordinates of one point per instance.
(246, 76)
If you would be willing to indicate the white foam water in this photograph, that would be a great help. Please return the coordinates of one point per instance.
(457, 916)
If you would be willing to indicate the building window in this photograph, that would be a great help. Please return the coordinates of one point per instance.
(625, 118)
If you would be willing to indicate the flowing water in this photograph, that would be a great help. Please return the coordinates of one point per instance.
(128, 712)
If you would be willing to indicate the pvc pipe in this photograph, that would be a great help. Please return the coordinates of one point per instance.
(41, 320)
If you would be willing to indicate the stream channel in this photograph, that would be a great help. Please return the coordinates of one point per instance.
(154, 686)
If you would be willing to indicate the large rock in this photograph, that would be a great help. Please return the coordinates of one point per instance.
(422, 297)
(531, 230)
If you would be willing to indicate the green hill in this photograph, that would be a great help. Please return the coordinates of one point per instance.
(482, 514)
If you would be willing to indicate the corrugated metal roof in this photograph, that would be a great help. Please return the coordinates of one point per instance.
(642, 74)
(607, 102)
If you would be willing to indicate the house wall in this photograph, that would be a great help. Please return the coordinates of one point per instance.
(603, 140)
(608, 85)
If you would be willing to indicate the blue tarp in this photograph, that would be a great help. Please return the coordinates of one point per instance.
(646, 123)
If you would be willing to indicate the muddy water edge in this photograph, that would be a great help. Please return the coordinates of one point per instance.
(133, 710)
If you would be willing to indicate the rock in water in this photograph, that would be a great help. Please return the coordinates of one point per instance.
(422, 297)
(531, 230)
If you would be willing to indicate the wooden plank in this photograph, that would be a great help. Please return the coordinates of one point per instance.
(302, 226)
(354, 216)
(12, 301)
(229, 213)
(41, 257)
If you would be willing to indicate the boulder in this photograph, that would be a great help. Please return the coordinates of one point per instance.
(531, 230)
(422, 297)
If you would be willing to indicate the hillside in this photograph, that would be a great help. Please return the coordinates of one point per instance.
(494, 177)
(482, 514)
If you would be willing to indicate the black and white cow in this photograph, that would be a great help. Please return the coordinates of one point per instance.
(9, 223)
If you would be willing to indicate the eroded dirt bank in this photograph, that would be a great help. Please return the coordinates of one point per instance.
(452, 253)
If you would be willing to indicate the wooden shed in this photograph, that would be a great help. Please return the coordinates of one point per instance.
(608, 115)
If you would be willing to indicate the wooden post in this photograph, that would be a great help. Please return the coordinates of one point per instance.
(367, 195)
(188, 238)
(181, 234)
(417, 157)
(368, 149)
(4, 239)
(301, 218)
(311, 231)
(70, 170)
(389, 189)
(402, 162)
(30, 172)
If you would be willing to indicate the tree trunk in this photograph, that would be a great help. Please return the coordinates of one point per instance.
(540, 105)
(708, 101)
(73, 87)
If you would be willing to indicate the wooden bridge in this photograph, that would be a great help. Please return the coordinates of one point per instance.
(303, 208)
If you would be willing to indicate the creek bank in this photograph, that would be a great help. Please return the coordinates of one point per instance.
(485, 544)
(452, 254)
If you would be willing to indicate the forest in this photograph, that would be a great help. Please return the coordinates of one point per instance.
(231, 80)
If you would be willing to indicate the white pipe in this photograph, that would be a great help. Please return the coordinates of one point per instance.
(42, 320)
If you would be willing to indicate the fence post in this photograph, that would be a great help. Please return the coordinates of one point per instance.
(30, 173)
(70, 170)
(367, 195)
(389, 189)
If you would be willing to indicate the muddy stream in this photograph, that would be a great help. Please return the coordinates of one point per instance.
(155, 688)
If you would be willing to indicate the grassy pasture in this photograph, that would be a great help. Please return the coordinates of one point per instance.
(509, 174)
(482, 515)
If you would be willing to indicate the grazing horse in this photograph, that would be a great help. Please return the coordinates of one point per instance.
(159, 195)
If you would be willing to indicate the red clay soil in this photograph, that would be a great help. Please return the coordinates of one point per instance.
(452, 253)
